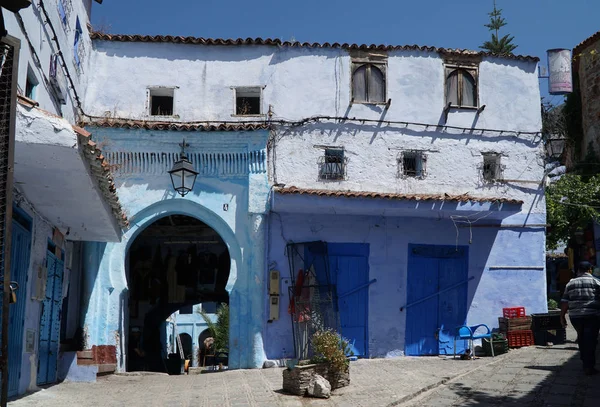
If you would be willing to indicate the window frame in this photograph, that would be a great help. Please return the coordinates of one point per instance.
(325, 174)
(151, 91)
(369, 59)
(461, 69)
(402, 172)
(498, 168)
(247, 89)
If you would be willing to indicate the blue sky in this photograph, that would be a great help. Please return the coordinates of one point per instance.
(536, 24)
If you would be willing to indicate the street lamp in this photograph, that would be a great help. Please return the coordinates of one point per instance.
(183, 175)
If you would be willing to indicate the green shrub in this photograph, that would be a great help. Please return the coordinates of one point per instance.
(552, 304)
(329, 347)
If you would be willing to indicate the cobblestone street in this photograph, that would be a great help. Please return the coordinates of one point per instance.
(529, 376)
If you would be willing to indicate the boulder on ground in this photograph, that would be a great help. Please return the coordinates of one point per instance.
(319, 387)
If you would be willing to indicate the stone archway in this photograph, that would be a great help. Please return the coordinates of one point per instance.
(105, 316)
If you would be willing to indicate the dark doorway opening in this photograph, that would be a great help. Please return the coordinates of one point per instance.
(176, 262)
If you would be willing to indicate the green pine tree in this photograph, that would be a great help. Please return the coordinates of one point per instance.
(497, 45)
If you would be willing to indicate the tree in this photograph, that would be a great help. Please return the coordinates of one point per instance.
(497, 45)
(572, 203)
(219, 330)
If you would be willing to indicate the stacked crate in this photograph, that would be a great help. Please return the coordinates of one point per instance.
(548, 330)
(516, 325)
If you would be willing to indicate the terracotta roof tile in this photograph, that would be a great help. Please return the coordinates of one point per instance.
(150, 125)
(279, 43)
(395, 196)
(585, 43)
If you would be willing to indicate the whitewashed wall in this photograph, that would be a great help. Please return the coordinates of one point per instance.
(40, 35)
(305, 82)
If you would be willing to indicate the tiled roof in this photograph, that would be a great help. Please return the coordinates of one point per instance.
(100, 169)
(395, 196)
(151, 125)
(279, 43)
(585, 43)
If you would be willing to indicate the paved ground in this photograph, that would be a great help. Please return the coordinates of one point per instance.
(528, 376)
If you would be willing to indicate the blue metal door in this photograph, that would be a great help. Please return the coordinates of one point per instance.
(20, 254)
(436, 298)
(50, 321)
(349, 267)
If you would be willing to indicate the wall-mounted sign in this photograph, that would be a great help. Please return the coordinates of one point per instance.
(30, 341)
(559, 65)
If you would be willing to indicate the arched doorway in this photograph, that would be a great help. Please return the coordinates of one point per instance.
(202, 353)
(174, 263)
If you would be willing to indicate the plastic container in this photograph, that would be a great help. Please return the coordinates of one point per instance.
(554, 336)
(518, 339)
(513, 312)
(500, 346)
(547, 321)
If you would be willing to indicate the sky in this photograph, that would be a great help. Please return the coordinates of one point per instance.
(537, 25)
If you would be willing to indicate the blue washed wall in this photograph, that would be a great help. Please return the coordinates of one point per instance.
(146, 195)
(490, 291)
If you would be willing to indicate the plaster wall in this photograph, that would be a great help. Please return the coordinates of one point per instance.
(146, 195)
(507, 265)
(589, 82)
(35, 31)
(299, 83)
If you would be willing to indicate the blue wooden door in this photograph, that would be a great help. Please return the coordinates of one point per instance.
(50, 321)
(20, 254)
(436, 298)
(349, 268)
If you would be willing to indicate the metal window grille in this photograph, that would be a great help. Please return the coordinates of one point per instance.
(332, 166)
(313, 299)
(492, 167)
(412, 164)
(9, 57)
(65, 7)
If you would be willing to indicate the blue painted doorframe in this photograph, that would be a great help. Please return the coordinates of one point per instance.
(50, 321)
(20, 256)
(349, 269)
(437, 298)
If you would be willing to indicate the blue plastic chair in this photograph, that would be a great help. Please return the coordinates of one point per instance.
(470, 333)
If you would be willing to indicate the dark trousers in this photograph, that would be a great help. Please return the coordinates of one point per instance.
(587, 338)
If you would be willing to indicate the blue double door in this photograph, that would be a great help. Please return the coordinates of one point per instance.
(437, 292)
(20, 256)
(49, 342)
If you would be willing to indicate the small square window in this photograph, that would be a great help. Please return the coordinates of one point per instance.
(161, 101)
(492, 167)
(332, 165)
(412, 164)
(248, 101)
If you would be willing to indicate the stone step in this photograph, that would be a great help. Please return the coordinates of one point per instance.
(107, 368)
(85, 354)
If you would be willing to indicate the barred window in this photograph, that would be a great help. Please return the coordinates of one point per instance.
(412, 164)
(332, 166)
(492, 167)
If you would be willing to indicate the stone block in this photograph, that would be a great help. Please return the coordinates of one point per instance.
(319, 387)
(297, 380)
(269, 364)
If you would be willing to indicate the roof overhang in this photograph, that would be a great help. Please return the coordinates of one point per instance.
(63, 174)
(311, 201)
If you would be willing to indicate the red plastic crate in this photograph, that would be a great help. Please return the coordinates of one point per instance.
(517, 339)
(514, 312)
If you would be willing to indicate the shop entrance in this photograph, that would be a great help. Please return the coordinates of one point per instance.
(174, 263)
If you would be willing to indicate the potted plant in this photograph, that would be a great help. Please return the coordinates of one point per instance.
(329, 361)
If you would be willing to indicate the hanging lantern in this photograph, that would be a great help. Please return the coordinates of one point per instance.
(183, 175)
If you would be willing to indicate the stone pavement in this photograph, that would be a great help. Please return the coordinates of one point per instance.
(534, 376)
(528, 376)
